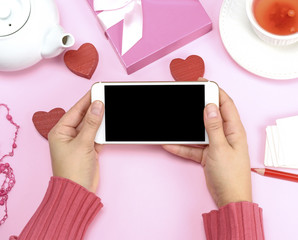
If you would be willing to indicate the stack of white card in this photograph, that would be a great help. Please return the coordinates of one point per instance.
(282, 143)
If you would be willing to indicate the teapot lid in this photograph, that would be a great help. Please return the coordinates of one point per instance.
(13, 15)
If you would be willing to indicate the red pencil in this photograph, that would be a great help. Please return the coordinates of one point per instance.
(276, 174)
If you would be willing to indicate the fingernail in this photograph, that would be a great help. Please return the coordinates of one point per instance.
(96, 108)
(212, 111)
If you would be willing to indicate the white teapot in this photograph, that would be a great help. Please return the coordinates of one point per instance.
(30, 31)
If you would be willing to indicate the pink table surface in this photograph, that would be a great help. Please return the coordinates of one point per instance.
(148, 193)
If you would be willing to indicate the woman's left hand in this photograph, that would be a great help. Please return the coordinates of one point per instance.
(73, 151)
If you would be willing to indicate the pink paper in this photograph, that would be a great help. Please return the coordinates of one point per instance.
(168, 25)
(148, 194)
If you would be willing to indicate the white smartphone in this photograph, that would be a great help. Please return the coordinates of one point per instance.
(155, 112)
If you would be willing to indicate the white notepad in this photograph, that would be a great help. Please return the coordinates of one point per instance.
(282, 143)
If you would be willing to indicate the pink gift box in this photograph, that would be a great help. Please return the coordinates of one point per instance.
(167, 26)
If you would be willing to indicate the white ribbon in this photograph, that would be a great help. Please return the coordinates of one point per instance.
(115, 11)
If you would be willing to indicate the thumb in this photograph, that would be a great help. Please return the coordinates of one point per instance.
(91, 123)
(214, 125)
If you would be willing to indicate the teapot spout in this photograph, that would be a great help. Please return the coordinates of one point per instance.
(55, 42)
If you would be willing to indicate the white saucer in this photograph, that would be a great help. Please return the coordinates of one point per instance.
(249, 51)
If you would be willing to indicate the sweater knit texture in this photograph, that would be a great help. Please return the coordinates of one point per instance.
(64, 214)
(235, 221)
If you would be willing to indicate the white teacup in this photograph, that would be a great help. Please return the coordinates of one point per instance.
(278, 40)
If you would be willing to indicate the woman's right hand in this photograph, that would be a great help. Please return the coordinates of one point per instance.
(226, 160)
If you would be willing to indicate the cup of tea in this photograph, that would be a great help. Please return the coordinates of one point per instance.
(274, 21)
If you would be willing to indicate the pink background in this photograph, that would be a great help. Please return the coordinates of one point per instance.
(147, 193)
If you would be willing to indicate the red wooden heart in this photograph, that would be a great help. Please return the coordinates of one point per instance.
(83, 61)
(44, 121)
(189, 69)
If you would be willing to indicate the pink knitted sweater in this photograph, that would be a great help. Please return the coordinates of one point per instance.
(67, 210)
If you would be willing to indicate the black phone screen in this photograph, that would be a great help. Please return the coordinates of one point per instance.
(154, 113)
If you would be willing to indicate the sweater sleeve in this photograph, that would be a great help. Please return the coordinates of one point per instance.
(64, 214)
(235, 221)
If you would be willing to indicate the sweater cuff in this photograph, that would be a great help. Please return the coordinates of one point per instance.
(241, 221)
(65, 212)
